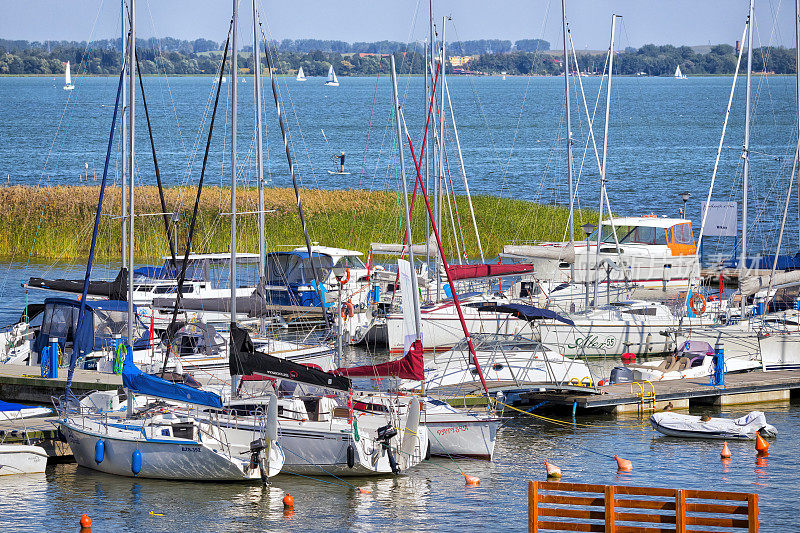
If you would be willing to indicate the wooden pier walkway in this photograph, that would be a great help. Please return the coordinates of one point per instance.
(750, 387)
(22, 383)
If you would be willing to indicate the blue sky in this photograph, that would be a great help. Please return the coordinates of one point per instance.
(691, 22)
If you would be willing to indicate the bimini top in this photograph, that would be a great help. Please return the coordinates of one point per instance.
(328, 250)
(652, 222)
(525, 312)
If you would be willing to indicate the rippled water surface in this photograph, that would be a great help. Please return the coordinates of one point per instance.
(430, 497)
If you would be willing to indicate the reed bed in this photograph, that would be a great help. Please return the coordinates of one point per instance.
(55, 223)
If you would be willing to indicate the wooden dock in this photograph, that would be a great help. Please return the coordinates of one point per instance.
(750, 387)
(22, 383)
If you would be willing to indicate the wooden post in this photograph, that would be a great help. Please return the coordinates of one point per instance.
(680, 511)
(533, 506)
(752, 513)
(609, 501)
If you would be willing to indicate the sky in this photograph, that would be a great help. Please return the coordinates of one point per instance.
(678, 22)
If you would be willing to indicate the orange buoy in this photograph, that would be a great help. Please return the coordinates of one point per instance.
(288, 501)
(364, 491)
(552, 470)
(86, 521)
(762, 446)
(623, 465)
(725, 453)
(471, 481)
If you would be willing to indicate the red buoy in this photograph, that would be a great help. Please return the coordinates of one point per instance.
(725, 453)
(86, 521)
(288, 501)
(762, 446)
(623, 465)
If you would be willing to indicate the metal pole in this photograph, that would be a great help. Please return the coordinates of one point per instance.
(441, 136)
(569, 136)
(797, 81)
(746, 154)
(464, 172)
(259, 151)
(414, 288)
(131, 166)
(605, 153)
(427, 171)
(123, 140)
(234, 76)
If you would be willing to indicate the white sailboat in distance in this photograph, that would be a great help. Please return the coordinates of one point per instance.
(678, 74)
(301, 76)
(333, 81)
(68, 79)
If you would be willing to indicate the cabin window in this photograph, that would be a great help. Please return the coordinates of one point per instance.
(61, 321)
(351, 261)
(683, 234)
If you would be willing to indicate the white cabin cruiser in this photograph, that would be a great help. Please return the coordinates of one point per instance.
(648, 251)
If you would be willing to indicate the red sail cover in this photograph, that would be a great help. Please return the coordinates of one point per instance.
(488, 270)
(409, 366)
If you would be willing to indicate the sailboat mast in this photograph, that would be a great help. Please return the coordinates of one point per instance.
(414, 288)
(123, 208)
(605, 153)
(569, 133)
(427, 163)
(441, 134)
(259, 151)
(797, 83)
(234, 129)
(131, 165)
(746, 153)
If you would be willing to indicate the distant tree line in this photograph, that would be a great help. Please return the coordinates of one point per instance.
(524, 57)
(650, 59)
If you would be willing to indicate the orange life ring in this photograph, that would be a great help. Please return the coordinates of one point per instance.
(348, 310)
(697, 303)
(346, 278)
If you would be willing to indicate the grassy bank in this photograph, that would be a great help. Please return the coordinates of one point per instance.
(55, 223)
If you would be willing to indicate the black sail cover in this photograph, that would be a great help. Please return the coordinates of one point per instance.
(113, 290)
(245, 360)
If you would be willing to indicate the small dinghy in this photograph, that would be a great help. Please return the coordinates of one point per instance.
(22, 459)
(688, 426)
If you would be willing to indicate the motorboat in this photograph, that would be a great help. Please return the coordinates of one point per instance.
(690, 426)
(648, 251)
(22, 459)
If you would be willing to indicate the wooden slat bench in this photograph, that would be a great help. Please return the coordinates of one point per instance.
(557, 506)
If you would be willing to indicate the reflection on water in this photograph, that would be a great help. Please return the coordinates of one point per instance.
(433, 495)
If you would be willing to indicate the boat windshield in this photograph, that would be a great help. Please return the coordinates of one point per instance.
(632, 235)
(289, 269)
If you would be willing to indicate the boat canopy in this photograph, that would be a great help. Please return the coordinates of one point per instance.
(410, 366)
(245, 360)
(140, 383)
(104, 320)
(294, 268)
(525, 312)
(488, 270)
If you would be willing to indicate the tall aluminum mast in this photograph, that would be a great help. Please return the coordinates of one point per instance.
(746, 154)
(234, 129)
(131, 166)
(569, 135)
(123, 223)
(259, 151)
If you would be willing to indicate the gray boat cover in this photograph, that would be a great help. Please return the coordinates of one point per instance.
(675, 424)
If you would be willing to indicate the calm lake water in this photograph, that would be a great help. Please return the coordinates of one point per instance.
(431, 497)
(663, 140)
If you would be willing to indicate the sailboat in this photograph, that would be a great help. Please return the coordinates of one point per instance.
(301, 76)
(68, 79)
(678, 74)
(333, 81)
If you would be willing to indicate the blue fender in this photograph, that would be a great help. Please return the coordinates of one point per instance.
(136, 462)
(99, 451)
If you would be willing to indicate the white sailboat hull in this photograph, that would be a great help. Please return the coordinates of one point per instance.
(166, 458)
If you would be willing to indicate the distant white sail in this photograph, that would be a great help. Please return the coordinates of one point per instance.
(678, 74)
(333, 81)
(301, 76)
(68, 79)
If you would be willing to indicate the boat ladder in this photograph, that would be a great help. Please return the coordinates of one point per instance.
(647, 398)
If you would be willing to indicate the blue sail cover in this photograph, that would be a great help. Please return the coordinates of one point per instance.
(141, 383)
